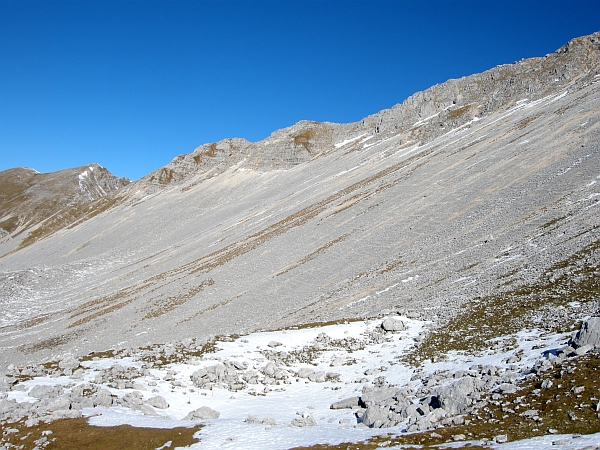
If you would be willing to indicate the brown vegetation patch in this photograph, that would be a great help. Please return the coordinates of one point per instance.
(169, 304)
(314, 254)
(49, 343)
(526, 121)
(576, 278)
(77, 434)
(303, 139)
(458, 112)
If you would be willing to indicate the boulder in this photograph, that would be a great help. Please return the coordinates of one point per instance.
(269, 421)
(65, 414)
(202, 413)
(158, 402)
(318, 377)
(44, 391)
(589, 334)
(454, 398)
(103, 398)
(132, 400)
(252, 419)
(348, 403)
(68, 362)
(378, 396)
(305, 372)
(393, 325)
(375, 417)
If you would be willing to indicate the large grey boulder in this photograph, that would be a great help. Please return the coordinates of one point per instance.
(132, 399)
(378, 396)
(202, 413)
(44, 391)
(375, 417)
(347, 403)
(589, 334)
(65, 414)
(158, 402)
(455, 398)
(393, 325)
(68, 363)
(103, 398)
(304, 372)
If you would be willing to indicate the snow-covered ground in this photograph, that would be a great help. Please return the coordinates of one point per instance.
(348, 356)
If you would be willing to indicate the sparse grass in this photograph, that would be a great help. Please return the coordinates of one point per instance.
(458, 112)
(315, 253)
(469, 267)
(169, 304)
(49, 343)
(575, 279)
(10, 224)
(303, 139)
(526, 121)
(69, 218)
(77, 434)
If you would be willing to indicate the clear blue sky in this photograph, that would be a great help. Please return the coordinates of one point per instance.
(131, 84)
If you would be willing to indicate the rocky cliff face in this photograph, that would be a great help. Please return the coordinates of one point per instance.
(29, 198)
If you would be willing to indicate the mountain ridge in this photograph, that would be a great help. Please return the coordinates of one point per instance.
(451, 103)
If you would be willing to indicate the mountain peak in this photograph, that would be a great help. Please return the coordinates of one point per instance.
(28, 199)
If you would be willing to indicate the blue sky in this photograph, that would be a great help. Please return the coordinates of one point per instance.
(131, 84)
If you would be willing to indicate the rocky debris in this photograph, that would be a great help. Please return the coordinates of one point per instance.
(269, 421)
(501, 439)
(202, 413)
(252, 419)
(55, 402)
(304, 419)
(445, 398)
(68, 363)
(305, 372)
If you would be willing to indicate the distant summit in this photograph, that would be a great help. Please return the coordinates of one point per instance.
(40, 203)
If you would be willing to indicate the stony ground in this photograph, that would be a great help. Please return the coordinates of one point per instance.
(259, 392)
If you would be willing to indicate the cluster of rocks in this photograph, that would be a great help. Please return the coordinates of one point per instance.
(442, 399)
(54, 403)
(235, 375)
(445, 398)
(58, 402)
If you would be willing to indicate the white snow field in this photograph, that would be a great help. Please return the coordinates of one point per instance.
(242, 423)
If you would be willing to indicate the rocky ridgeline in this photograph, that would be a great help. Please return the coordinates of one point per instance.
(421, 118)
(428, 402)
